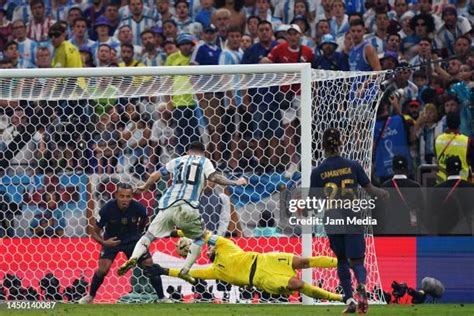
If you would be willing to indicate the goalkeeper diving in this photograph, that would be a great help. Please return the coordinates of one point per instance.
(273, 272)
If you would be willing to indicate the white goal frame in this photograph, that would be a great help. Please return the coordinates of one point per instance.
(304, 70)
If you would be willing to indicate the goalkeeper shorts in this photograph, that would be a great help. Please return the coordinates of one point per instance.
(273, 272)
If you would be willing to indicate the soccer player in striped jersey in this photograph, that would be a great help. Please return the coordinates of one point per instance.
(179, 205)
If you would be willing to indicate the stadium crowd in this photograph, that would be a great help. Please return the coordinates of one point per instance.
(428, 45)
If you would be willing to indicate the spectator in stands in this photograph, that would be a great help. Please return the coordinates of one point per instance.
(170, 29)
(221, 19)
(453, 27)
(73, 14)
(127, 53)
(48, 220)
(423, 26)
(104, 56)
(204, 15)
(266, 226)
(400, 7)
(26, 47)
(38, 27)
(162, 12)
(388, 145)
(423, 58)
(182, 18)
(86, 57)
(207, 52)
(326, 12)
(152, 54)
(8, 7)
(322, 28)
(105, 144)
(169, 47)
(362, 56)
(43, 57)
(303, 23)
(452, 143)
(183, 106)
(453, 207)
(236, 10)
(246, 42)
(66, 55)
(95, 11)
(339, 22)
(389, 61)
(112, 15)
(451, 104)
(330, 59)
(393, 43)
(462, 47)
(79, 34)
(302, 8)
(5, 28)
(264, 13)
(11, 52)
(215, 208)
(125, 36)
(102, 27)
(377, 39)
(406, 89)
(425, 131)
(137, 21)
(251, 27)
(404, 21)
(267, 116)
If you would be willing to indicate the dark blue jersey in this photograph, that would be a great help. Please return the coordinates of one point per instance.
(126, 225)
(337, 174)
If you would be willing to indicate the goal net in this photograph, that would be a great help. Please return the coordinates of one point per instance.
(67, 138)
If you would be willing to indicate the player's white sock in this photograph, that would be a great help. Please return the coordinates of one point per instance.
(193, 254)
(141, 247)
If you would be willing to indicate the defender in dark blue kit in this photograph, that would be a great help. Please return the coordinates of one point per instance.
(339, 178)
(123, 221)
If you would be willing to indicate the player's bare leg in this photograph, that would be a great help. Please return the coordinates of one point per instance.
(314, 262)
(97, 280)
(193, 254)
(295, 284)
(140, 249)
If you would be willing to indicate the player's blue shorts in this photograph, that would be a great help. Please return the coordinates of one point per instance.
(347, 245)
(111, 252)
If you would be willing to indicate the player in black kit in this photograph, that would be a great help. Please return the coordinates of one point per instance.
(123, 220)
(338, 178)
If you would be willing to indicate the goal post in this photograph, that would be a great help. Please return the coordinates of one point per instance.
(75, 133)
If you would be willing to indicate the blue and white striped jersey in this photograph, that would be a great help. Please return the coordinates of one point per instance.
(137, 27)
(27, 50)
(189, 174)
(232, 57)
(158, 59)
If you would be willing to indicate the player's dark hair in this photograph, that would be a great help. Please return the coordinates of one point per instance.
(453, 120)
(196, 146)
(124, 186)
(331, 140)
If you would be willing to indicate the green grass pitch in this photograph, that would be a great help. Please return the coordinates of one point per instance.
(240, 310)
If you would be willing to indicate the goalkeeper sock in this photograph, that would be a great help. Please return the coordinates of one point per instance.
(141, 247)
(322, 262)
(96, 283)
(316, 292)
(193, 254)
(360, 273)
(344, 274)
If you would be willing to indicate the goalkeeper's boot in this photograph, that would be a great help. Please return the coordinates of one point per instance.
(351, 306)
(130, 263)
(362, 301)
(86, 299)
(187, 277)
(164, 300)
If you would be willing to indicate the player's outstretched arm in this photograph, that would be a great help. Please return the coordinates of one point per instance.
(374, 191)
(154, 177)
(220, 179)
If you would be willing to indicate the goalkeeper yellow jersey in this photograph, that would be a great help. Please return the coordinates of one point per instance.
(231, 264)
(66, 55)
